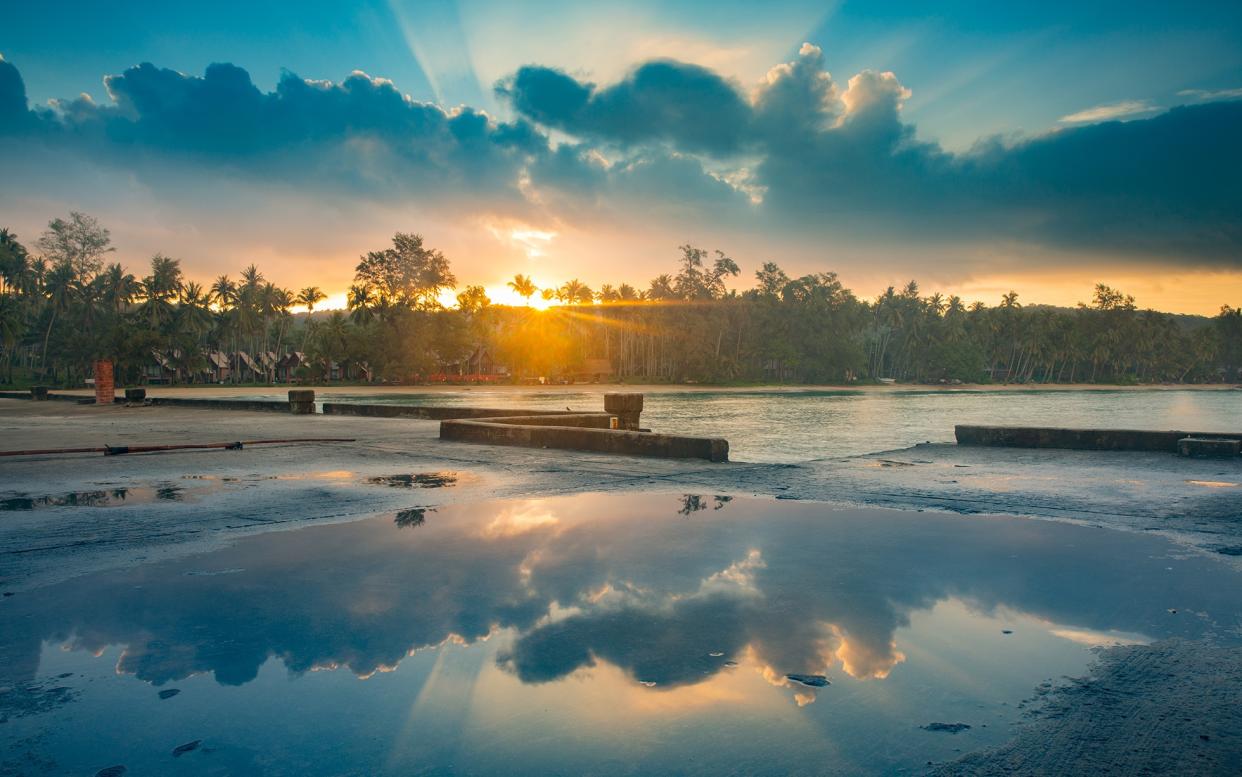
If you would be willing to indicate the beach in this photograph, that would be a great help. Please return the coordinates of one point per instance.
(85, 517)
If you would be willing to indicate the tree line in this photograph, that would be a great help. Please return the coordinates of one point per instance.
(63, 305)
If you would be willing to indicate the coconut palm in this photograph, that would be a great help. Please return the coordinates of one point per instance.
(523, 286)
(310, 297)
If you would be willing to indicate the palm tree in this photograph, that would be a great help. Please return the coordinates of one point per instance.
(251, 278)
(159, 289)
(310, 297)
(575, 292)
(523, 286)
(119, 287)
(361, 301)
(12, 327)
(223, 292)
(58, 286)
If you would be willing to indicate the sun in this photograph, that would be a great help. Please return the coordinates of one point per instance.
(503, 295)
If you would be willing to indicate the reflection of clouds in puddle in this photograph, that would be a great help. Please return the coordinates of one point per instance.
(863, 661)
(595, 584)
(519, 520)
(738, 575)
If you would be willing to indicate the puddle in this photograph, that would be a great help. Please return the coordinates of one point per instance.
(416, 480)
(572, 634)
(109, 497)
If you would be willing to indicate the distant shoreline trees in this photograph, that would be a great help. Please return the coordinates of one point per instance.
(61, 307)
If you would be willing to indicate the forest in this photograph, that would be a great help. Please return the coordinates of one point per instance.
(63, 305)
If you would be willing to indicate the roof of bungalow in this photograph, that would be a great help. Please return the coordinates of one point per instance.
(246, 360)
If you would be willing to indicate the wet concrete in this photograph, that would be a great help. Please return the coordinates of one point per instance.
(1193, 501)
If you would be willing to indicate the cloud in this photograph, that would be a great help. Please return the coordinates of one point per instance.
(1109, 112)
(687, 106)
(1209, 95)
(785, 166)
(844, 162)
(361, 133)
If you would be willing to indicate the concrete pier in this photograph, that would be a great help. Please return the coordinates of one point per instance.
(1081, 439)
(431, 413)
(516, 431)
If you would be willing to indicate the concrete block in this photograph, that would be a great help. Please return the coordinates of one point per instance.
(302, 401)
(627, 407)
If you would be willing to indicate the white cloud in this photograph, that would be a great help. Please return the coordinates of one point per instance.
(1209, 95)
(1109, 112)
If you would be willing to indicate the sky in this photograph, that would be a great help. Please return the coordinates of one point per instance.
(977, 147)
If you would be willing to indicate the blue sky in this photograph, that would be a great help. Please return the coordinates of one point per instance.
(986, 100)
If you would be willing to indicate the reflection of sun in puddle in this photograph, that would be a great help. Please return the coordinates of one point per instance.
(1212, 483)
(1099, 638)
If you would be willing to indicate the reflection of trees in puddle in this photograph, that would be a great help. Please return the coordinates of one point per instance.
(111, 497)
(416, 480)
(693, 503)
(787, 588)
(415, 516)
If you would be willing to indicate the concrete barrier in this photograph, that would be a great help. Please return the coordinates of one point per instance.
(1079, 439)
(223, 404)
(431, 413)
(515, 432)
(580, 420)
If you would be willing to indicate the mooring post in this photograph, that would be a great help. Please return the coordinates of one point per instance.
(302, 401)
(626, 407)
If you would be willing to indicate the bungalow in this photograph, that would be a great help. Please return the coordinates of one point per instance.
(219, 366)
(248, 369)
(288, 366)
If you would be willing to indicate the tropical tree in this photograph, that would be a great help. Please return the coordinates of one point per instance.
(523, 286)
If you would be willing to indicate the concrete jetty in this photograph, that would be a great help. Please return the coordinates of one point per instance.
(1199, 444)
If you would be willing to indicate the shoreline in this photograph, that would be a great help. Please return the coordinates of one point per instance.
(658, 388)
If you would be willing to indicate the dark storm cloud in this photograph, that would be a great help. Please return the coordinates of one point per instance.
(673, 143)
(686, 105)
(843, 159)
(362, 131)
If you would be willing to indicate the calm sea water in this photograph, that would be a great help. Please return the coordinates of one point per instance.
(594, 634)
(791, 426)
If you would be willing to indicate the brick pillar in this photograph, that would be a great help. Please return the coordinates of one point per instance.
(105, 389)
(626, 407)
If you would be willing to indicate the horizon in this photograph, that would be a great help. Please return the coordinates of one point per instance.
(976, 150)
